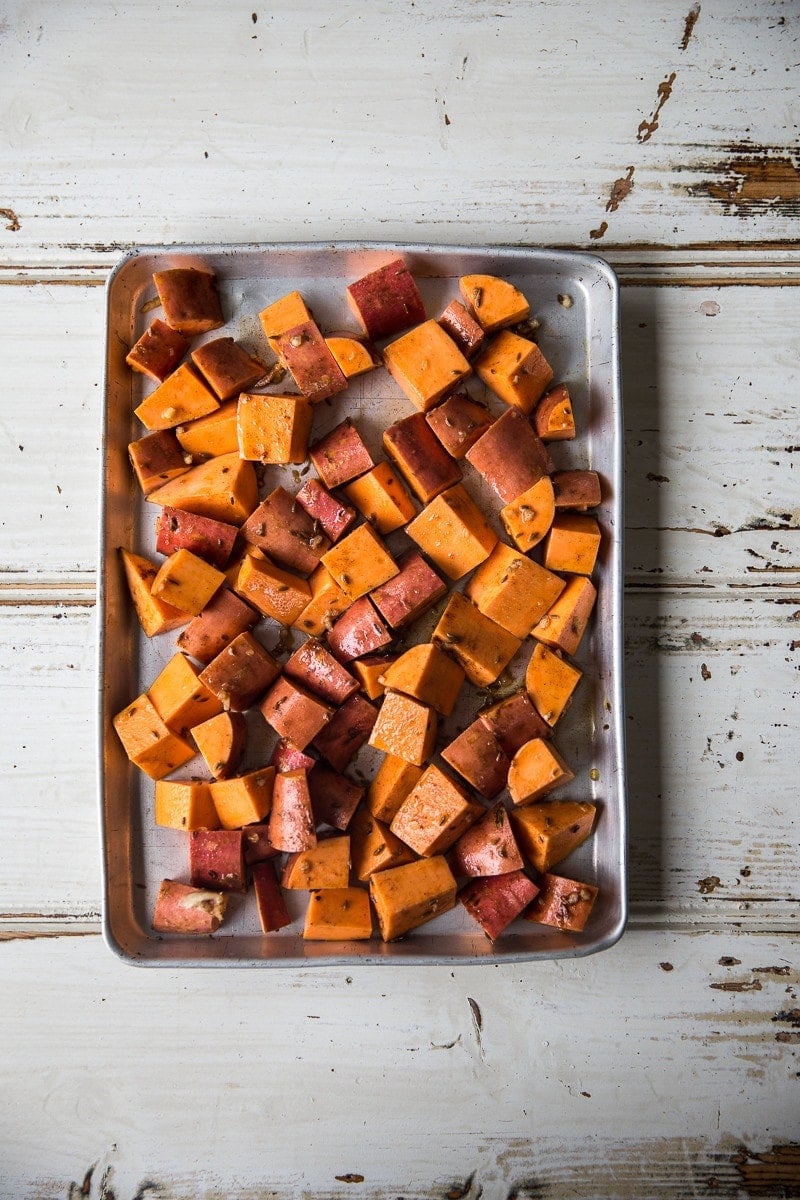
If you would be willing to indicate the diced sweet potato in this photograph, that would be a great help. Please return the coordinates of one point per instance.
(549, 831)
(488, 847)
(536, 770)
(576, 489)
(210, 436)
(392, 782)
(308, 357)
(224, 488)
(326, 603)
(495, 303)
(227, 367)
(155, 616)
(554, 420)
(245, 799)
(514, 721)
(434, 814)
(420, 457)
(183, 909)
(408, 896)
(360, 562)
(180, 698)
(562, 903)
(358, 631)
(373, 846)
(216, 860)
(326, 865)
(510, 456)
(276, 593)
(347, 731)
(334, 797)
(513, 590)
(386, 301)
(286, 313)
(462, 328)
(190, 299)
(564, 624)
(479, 758)
(240, 673)
(458, 422)
(341, 455)
(223, 618)
(209, 540)
(158, 458)
(411, 592)
(256, 844)
(405, 728)
(483, 648)
(496, 901)
(181, 397)
(334, 517)
(272, 912)
(572, 544)
(148, 742)
(184, 804)
(294, 713)
(528, 518)
(273, 428)
(338, 915)
(158, 351)
(352, 356)
(381, 497)
(286, 757)
(316, 669)
(429, 675)
(453, 532)
(550, 682)
(187, 582)
(514, 369)
(285, 532)
(426, 363)
(369, 671)
(291, 820)
(222, 741)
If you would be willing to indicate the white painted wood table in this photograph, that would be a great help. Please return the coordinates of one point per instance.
(663, 136)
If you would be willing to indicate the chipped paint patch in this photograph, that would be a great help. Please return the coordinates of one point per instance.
(733, 985)
(688, 28)
(648, 127)
(774, 1172)
(595, 234)
(620, 190)
(8, 214)
(752, 179)
(708, 885)
(710, 308)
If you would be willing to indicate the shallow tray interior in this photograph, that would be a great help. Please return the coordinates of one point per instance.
(574, 297)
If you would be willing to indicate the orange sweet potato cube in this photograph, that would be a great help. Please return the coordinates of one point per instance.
(549, 831)
(327, 602)
(528, 517)
(181, 397)
(494, 303)
(550, 681)
(563, 903)
(184, 804)
(572, 544)
(554, 420)
(426, 363)
(434, 814)
(244, 799)
(406, 897)
(563, 625)
(222, 740)
(536, 769)
(360, 562)
(381, 497)
(274, 428)
(187, 582)
(405, 728)
(482, 647)
(513, 590)
(155, 616)
(429, 675)
(369, 671)
(392, 782)
(225, 488)
(338, 915)
(453, 532)
(374, 847)
(326, 865)
(190, 299)
(180, 698)
(275, 592)
(210, 436)
(281, 315)
(353, 357)
(148, 742)
(514, 369)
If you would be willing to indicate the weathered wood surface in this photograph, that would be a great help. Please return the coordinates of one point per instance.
(481, 120)
(659, 1069)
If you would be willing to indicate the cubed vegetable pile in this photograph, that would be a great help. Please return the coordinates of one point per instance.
(291, 603)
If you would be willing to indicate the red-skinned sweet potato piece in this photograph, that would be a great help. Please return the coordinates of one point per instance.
(184, 909)
(227, 367)
(256, 844)
(241, 673)
(496, 900)
(190, 299)
(509, 456)
(347, 731)
(553, 418)
(284, 531)
(334, 517)
(223, 619)
(208, 539)
(479, 758)
(286, 757)
(358, 631)
(294, 713)
(305, 352)
(576, 489)
(216, 860)
(514, 721)
(458, 422)
(334, 796)
(316, 669)
(465, 331)
(158, 351)
(420, 457)
(562, 903)
(291, 820)
(340, 455)
(410, 593)
(488, 847)
(386, 301)
(158, 458)
(272, 912)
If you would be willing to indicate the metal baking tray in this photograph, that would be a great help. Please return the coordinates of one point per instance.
(575, 299)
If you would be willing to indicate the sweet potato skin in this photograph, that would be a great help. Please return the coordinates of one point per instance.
(184, 909)
(386, 301)
(291, 819)
(496, 901)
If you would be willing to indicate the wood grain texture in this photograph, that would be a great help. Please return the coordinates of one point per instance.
(711, 699)
(515, 1074)
(485, 122)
